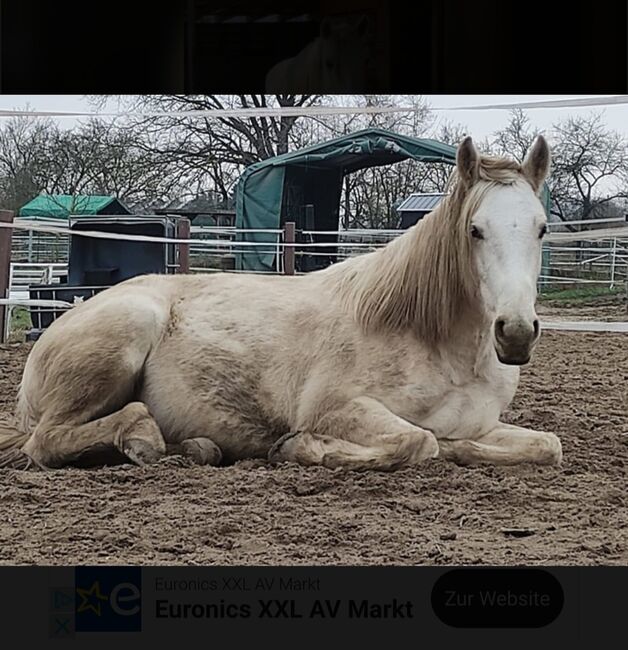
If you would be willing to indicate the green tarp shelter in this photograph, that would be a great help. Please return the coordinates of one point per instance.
(278, 189)
(61, 206)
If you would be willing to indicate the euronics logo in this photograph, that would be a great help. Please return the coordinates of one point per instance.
(108, 599)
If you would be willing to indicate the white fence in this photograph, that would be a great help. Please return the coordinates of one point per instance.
(21, 276)
(30, 247)
(602, 262)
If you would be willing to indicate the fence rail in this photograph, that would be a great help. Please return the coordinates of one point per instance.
(585, 258)
(594, 256)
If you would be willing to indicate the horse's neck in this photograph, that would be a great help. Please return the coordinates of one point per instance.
(470, 339)
(471, 342)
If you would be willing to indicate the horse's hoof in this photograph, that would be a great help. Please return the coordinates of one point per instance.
(274, 453)
(142, 452)
(202, 451)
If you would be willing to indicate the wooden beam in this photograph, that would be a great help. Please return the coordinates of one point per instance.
(6, 235)
(288, 250)
(183, 232)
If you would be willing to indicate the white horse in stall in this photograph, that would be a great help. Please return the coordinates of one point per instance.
(379, 362)
(336, 61)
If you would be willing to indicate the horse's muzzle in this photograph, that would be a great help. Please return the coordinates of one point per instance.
(515, 340)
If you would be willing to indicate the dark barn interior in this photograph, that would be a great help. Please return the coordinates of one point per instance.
(109, 261)
(213, 46)
(232, 45)
(431, 46)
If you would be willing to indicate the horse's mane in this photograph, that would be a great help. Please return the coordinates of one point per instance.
(425, 279)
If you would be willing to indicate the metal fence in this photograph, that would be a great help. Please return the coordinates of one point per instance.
(590, 258)
(599, 262)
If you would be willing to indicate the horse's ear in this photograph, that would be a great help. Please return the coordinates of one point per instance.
(537, 163)
(468, 161)
(326, 27)
(363, 25)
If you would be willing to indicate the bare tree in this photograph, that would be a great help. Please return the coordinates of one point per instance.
(435, 175)
(515, 138)
(23, 141)
(590, 166)
(211, 153)
(36, 157)
(589, 162)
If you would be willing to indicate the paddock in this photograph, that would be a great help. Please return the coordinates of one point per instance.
(255, 514)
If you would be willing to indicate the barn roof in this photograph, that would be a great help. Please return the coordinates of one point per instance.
(420, 202)
(61, 206)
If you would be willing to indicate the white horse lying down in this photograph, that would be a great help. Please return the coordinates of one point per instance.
(336, 61)
(379, 362)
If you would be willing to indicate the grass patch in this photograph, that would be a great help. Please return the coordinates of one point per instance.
(20, 324)
(581, 294)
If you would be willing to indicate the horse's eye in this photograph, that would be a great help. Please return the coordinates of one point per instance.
(542, 231)
(475, 232)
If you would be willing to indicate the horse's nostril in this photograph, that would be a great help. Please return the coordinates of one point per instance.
(499, 328)
(536, 326)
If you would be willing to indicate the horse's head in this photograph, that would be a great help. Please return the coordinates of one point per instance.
(505, 224)
(344, 52)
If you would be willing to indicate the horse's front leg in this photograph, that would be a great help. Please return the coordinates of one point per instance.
(362, 434)
(506, 444)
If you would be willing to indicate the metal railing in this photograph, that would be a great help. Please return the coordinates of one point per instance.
(594, 258)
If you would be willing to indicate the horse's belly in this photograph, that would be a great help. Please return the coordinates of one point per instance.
(198, 390)
(238, 437)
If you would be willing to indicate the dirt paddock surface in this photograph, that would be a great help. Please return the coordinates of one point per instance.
(252, 513)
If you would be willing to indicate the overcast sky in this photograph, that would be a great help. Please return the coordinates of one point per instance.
(478, 123)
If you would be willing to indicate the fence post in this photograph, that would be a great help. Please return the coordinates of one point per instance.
(6, 216)
(288, 247)
(545, 266)
(183, 232)
(613, 261)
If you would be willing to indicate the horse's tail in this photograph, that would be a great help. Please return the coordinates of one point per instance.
(11, 437)
(11, 442)
(13, 434)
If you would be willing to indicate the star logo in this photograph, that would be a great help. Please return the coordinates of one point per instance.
(90, 598)
(107, 599)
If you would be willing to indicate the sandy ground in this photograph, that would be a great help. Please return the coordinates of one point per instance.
(251, 513)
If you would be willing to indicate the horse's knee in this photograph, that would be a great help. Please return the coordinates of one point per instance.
(423, 445)
(410, 449)
(137, 424)
(548, 449)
